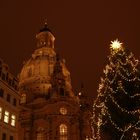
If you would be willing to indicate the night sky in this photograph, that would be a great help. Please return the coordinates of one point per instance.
(83, 30)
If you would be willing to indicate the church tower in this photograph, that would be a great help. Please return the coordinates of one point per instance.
(49, 108)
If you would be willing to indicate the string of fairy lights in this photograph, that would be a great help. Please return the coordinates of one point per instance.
(106, 92)
(123, 109)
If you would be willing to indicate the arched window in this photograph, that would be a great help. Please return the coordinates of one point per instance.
(40, 134)
(63, 132)
(62, 93)
(23, 98)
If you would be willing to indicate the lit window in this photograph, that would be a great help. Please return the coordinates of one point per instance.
(13, 120)
(63, 132)
(63, 110)
(40, 134)
(6, 117)
(23, 99)
(0, 113)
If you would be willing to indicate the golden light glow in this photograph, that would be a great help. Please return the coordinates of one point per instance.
(63, 132)
(80, 93)
(13, 120)
(6, 117)
(116, 45)
(63, 110)
(118, 69)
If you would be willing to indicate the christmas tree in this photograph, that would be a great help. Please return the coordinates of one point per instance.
(117, 106)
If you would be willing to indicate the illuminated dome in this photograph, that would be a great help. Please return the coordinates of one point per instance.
(36, 74)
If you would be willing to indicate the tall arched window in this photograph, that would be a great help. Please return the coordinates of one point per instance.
(63, 132)
(40, 134)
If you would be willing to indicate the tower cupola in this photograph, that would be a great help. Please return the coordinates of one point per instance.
(35, 79)
(36, 73)
(45, 37)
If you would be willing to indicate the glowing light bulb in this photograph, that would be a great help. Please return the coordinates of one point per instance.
(80, 93)
(116, 45)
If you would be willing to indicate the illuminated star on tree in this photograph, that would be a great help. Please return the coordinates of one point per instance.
(116, 45)
(116, 110)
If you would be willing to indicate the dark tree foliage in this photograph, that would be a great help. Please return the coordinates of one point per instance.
(117, 106)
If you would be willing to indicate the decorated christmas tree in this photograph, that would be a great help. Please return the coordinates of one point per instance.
(117, 106)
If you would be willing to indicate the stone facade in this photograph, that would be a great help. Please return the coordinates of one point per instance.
(9, 104)
(49, 109)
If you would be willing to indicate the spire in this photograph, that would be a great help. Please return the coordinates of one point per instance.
(58, 72)
(46, 21)
(58, 79)
(45, 28)
(61, 84)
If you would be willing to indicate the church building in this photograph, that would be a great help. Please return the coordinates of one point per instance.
(49, 109)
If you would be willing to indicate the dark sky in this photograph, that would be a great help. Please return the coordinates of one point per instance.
(83, 31)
